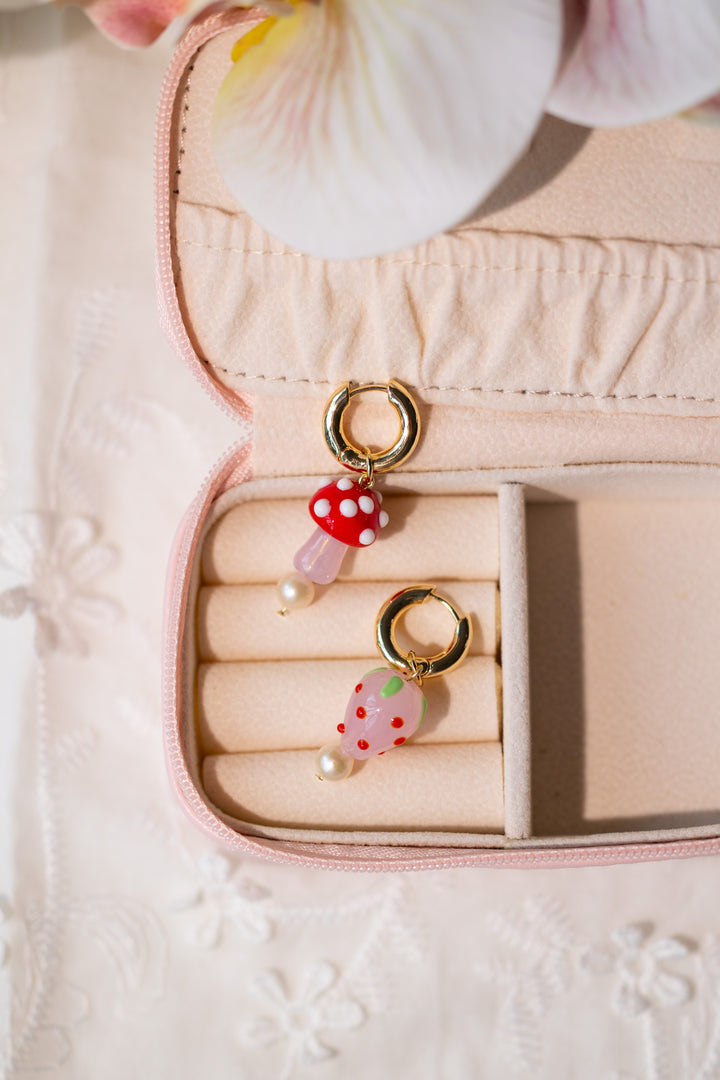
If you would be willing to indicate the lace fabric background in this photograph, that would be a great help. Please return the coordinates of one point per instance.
(129, 945)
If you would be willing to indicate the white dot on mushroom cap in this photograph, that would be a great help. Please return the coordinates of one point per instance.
(348, 508)
(366, 537)
(366, 504)
(322, 507)
(383, 518)
(378, 496)
(344, 484)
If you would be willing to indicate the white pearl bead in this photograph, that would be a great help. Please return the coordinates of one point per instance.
(295, 592)
(332, 764)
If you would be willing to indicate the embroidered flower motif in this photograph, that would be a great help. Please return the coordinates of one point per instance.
(216, 900)
(533, 968)
(643, 981)
(320, 1005)
(58, 557)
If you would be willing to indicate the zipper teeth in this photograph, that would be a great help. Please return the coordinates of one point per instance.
(238, 405)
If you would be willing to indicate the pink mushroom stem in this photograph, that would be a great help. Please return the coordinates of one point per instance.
(320, 557)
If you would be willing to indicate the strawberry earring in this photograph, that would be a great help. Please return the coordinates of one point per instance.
(387, 705)
(347, 512)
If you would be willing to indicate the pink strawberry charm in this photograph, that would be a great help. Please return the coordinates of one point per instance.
(384, 711)
(386, 707)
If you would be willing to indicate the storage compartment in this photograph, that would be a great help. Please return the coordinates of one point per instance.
(616, 733)
(624, 602)
(271, 690)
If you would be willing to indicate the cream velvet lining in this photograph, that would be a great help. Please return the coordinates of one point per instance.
(617, 734)
(264, 770)
(488, 314)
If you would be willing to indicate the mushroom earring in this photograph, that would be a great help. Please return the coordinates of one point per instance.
(387, 705)
(347, 512)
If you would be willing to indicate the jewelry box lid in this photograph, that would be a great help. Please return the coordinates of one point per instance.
(586, 283)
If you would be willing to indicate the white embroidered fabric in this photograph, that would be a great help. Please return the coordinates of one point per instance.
(130, 946)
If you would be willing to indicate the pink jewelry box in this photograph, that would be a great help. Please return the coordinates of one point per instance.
(562, 348)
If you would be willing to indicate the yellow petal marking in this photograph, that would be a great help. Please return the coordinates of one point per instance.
(257, 34)
(253, 37)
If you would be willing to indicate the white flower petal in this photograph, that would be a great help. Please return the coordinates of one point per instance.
(363, 126)
(342, 1015)
(311, 1051)
(668, 948)
(636, 61)
(204, 931)
(318, 978)
(630, 937)
(261, 1032)
(22, 540)
(14, 602)
(252, 925)
(187, 896)
(627, 1001)
(214, 869)
(251, 890)
(670, 990)
(72, 536)
(706, 112)
(92, 562)
(269, 984)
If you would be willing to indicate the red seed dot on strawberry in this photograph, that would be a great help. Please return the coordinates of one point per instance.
(363, 744)
(397, 721)
(399, 742)
(358, 688)
(360, 713)
(341, 728)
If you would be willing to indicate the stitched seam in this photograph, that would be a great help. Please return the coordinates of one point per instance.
(183, 129)
(483, 389)
(475, 266)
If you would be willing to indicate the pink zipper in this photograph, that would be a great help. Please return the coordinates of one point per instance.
(234, 468)
(171, 321)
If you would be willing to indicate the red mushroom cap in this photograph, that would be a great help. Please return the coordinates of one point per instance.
(348, 511)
